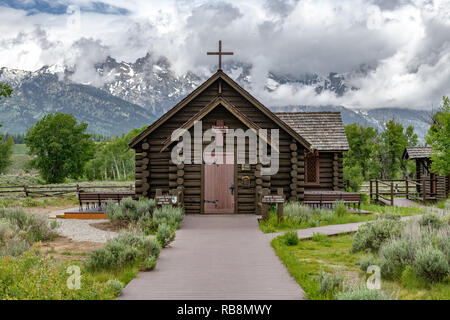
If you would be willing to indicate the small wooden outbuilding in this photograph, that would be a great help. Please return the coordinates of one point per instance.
(310, 151)
(437, 187)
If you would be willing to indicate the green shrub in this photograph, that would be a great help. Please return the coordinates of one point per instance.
(297, 212)
(432, 220)
(129, 210)
(14, 247)
(7, 230)
(148, 264)
(444, 245)
(165, 234)
(339, 209)
(388, 216)
(100, 259)
(173, 216)
(128, 248)
(431, 264)
(395, 255)
(366, 262)
(33, 226)
(371, 235)
(329, 284)
(290, 238)
(362, 294)
(115, 286)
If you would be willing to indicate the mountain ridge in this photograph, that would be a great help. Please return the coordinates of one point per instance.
(119, 96)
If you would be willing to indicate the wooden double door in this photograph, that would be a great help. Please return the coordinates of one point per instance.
(219, 189)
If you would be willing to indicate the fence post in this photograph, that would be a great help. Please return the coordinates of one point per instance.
(376, 190)
(424, 190)
(407, 188)
(25, 190)
(392, 193)
(370, 191)
(280, 205)
(265, 206)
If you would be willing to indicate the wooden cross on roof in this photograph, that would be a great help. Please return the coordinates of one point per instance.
(220, 53)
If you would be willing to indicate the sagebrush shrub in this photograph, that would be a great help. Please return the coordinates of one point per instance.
(297, 212)
(6, 230)
(395, 255)
(127, 248)
(165, 234)
(365, 262)
(129, 210)
(31, 226)
(14, 247)
(173, 216)
(148, 264)
(432, 220)
(431, 264)
(329, 283)
(115, 286)
(362, 293)
(290, 238)
(371, 235)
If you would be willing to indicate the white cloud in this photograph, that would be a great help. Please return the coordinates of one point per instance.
(403, 46)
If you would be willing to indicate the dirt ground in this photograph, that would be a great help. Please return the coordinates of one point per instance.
(107, 226)
(62, 248)
(48, 210)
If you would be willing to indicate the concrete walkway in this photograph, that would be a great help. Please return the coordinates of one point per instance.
(328, 230)
(216, 257)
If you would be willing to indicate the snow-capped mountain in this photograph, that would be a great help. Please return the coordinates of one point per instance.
(125, 95)
(42, 92)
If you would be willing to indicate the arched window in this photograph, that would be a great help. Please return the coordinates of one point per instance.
(312, 168)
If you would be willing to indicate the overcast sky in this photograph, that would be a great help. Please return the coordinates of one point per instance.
(396, 51)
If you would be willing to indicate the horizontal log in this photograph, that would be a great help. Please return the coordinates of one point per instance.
(192, 176)
(192, 183)
(141, 175)
(192, 191)
(159, 182)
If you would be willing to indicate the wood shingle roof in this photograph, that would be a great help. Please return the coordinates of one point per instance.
(323, 130)
(417, 152)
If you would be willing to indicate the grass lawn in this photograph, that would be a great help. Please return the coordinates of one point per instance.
(45, 202)
(321, 218)
(333, 254)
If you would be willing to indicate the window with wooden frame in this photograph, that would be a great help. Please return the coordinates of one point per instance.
(312, 169)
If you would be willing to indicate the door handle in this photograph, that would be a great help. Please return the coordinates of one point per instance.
(232, 189)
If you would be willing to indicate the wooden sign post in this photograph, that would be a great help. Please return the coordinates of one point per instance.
(278, 199)
(174, 198)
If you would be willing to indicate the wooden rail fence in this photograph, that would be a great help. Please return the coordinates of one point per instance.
(386, 190)
(54, 190)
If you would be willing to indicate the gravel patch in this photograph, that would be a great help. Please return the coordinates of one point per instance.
(80, 230)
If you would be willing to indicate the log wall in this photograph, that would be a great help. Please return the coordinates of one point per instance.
(154, 169)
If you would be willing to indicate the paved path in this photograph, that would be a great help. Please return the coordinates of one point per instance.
(216, 257)
(329, 230)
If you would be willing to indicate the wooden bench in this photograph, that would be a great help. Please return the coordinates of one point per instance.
(97, 199)
(320, 199)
